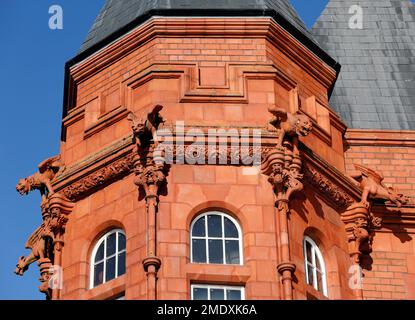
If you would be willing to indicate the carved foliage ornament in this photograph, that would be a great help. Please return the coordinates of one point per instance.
(101, 177)
(328, 188)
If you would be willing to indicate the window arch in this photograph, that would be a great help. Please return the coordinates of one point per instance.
(315, 269)
(215, 238)
(108, 258)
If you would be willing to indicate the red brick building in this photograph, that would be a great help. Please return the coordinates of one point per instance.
(210, 225)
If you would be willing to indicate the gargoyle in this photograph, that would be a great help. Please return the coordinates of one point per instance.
(145, 130)
(288, 124)
(373, 188)
(38, 244)
(41, 180)
(41, 241)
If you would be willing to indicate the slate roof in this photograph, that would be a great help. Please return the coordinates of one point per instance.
(376, 86)
(120, 16)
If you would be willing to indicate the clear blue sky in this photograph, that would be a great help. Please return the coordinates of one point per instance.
(32, 59)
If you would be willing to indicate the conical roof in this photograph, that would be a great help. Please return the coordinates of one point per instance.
(376, 87)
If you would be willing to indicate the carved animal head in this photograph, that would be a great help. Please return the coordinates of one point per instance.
(137, 125)
(303, 125)
(398, 199)
(23, 187)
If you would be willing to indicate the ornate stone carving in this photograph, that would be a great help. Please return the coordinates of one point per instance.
(145, 131)
(340, 198)
(360, 227)
(286, 179)
(360, 221)
(373, 188)
(41, 180)
(150, 170)
(289, 124)
(283, 167)
(113, 171)
(42, 243)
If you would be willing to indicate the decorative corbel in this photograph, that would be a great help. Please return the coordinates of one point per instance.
(360, 222)
(283, 167)
(150, 171)
(47, 241)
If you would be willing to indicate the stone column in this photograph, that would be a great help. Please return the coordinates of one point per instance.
(150, 170)
(150, 176)
(283, 166)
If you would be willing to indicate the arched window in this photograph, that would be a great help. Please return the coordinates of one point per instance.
(315, 269)
(216, 239)
(108, 258)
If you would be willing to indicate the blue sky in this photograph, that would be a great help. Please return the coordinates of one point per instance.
(32, 59)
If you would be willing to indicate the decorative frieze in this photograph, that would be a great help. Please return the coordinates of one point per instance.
(327, 187)
(111, 172)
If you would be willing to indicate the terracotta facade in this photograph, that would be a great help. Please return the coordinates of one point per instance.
(225, 73)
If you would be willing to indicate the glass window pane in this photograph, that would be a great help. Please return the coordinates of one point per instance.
(230, 229)
(110, 271)
(98, 274)
(234, 294)
(111, 240)
(308, 251)
(121, 264)
(232, 251)
(121, 241)
(217, 294)
(318, 263)
(319, 282)
(200, 294)
(99, 256)
(215, 251)
(199, 251)
(310, 275)
(199, 228)
(214, 226)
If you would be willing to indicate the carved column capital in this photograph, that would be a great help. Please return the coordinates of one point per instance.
(360, 225)
(286, 266)
(151, 261)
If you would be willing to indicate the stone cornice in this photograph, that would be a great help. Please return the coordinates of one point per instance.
(384, 138)
(207, 27)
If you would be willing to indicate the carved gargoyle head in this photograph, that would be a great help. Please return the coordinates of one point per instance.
(303, 125)
(23, 187)
(397, 198)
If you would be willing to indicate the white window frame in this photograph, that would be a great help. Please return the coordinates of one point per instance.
(315, 254)
(223, 238)
(103, 239)
(224, 288)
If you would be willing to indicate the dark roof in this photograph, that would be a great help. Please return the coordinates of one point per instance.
(118, 17)
(376, 87)
(116, 14)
